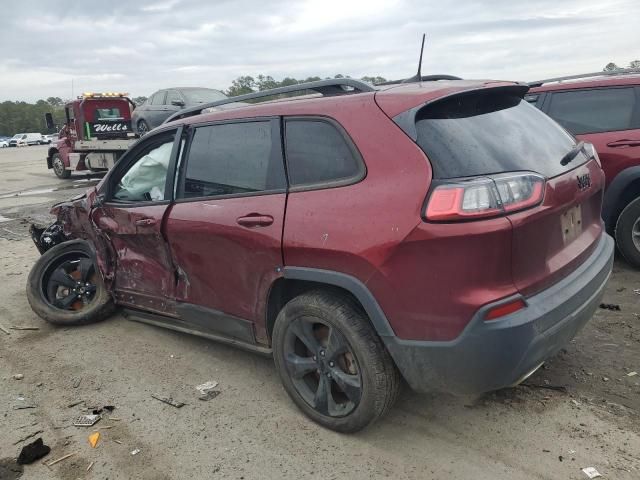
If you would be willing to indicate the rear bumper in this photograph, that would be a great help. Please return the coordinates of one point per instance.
(492, 355)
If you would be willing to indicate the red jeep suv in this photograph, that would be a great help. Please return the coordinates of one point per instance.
(604, 109)
(444, 232)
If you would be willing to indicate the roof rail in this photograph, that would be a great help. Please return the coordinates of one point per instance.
(334, 86)
(621, 71)
(424, 78)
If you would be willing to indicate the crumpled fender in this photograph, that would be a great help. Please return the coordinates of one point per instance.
(74, 223)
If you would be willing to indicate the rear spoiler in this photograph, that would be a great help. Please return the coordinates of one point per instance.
(407, 119)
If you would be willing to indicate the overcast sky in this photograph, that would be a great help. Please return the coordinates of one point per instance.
(143, 45)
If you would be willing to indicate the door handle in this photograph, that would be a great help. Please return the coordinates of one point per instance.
(624, 143)
(146, 222)
(255, 220)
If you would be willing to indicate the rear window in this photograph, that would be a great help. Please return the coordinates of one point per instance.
(593, 111)
(485, 133)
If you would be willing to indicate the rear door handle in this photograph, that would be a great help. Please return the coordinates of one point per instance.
(624, 143)
(146, 222)
(255, 220)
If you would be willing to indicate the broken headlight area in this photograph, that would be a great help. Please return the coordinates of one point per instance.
(45, 238)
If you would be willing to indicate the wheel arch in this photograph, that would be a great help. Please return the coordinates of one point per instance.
(50, 153)
(298, 280)
(624, 188)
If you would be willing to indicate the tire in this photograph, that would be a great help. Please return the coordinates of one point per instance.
(627, 233)
(58, 167)
(53, 301)
(143, 128)
(369, 381)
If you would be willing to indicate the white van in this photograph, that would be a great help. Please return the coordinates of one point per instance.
(24, 139)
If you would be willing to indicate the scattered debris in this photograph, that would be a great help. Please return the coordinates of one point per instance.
(135, 452)
(207, 391)
(23, 407)
(605, 379)
(118, 442)
(18, 376)
(50, 464)
(169, 401)
(591, 472)
(28, 437)
(560, 457)
(5, 330)
(32, 452)
(621, 289)
(575, 402)
(106, 427)
(93, 439)
(75, 404)
(636, 291)
(86, 420)
(610, 306)
(115, 419)
(39, 384)
(90, 465)
(23, 327)
(632, 374)
(109, 408)
(77, 382)
(209, 395)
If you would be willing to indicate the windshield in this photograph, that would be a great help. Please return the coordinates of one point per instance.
(203, 95)
(491, 132)
(19, 136)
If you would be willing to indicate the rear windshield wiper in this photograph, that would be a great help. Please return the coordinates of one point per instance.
(571, 154)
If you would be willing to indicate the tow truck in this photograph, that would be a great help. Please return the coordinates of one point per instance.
(96, 132)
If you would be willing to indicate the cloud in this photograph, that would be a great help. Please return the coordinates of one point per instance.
(150, 44)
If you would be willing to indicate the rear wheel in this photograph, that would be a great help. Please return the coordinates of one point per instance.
(332, 363)
(58, 167)
(66, 288)
(143, 127)
(628, 233)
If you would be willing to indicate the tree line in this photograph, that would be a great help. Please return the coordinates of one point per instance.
(16, 117)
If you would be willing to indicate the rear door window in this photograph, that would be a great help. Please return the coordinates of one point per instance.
(241, 158)
(318, 154)
(173, 96)
(595, 110)
(481, 133)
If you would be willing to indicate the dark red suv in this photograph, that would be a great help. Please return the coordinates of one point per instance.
(604, 109)
(444, 232)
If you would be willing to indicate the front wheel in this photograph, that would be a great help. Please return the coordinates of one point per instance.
(332, 363)
(65, 287)
(628, 233)
(58, 167)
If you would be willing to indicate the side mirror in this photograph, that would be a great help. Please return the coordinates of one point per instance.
(98, 201)
(48, 118)
(177, 103)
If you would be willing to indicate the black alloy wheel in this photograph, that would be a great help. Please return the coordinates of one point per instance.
(322, 366)
(70, 283)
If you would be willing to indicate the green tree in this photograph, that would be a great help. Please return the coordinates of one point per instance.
(241, 86)
(139, 100)
(374, 80)
(55, 101)
(634, 64)
(610, 67)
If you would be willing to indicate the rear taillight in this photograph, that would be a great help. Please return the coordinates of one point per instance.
(484, 197)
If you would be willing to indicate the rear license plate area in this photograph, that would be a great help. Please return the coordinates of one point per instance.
(571, 223)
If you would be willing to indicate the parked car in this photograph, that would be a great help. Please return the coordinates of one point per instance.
(420, 230)
(164, 103)
(48, 139)
(24, 139)
(604, 109)
(4, 143)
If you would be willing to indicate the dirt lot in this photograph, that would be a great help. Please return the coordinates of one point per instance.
(582, 409)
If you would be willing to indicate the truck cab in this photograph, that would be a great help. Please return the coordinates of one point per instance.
(96, 132)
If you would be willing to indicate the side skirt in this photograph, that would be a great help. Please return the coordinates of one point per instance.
(194, 328)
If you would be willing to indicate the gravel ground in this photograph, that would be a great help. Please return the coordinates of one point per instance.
(582, 409)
